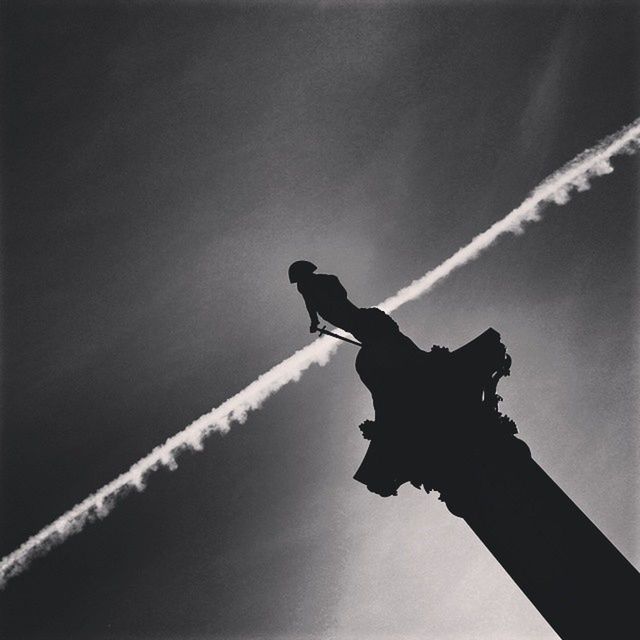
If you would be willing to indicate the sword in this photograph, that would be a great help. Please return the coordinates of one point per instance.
(323, 330)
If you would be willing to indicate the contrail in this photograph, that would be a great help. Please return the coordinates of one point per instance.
(558, 188)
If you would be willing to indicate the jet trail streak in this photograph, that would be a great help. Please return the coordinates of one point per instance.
(558, 188)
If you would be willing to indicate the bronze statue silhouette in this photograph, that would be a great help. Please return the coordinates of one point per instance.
(323, 295)
(437, 426)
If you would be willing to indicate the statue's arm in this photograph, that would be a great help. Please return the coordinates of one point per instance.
(313, 315)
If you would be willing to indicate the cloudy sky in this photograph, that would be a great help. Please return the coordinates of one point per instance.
(163, 163)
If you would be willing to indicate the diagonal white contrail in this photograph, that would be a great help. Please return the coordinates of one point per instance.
(558, 188)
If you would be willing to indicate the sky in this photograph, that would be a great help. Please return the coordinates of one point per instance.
(162, 164)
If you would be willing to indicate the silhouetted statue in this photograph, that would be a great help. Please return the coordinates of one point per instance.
(323, 295)
(437, 426)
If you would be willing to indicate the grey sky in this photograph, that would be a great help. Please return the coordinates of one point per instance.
(163, 164)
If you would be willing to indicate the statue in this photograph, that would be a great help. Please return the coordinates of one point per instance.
(323, 295)
(437, 426)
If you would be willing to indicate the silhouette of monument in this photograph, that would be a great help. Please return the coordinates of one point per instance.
(323, 294)
(438, 427)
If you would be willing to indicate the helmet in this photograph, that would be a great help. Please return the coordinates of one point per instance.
(299, 269)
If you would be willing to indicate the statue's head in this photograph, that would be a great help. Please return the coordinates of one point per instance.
(300, 270)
